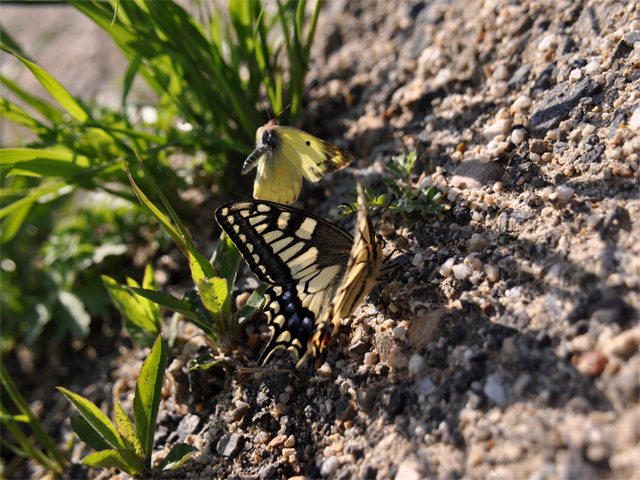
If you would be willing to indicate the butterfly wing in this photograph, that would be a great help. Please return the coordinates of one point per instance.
(302, 257)
(312, 156)
(362, 274)
(277, 179)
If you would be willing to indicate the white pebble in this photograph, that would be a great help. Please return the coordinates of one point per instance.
(518, 136)
(399, 332)
(445, 269)
(426, 182)
(499, 127)
(416, 364)
(329, 467)
(325, 369)
(513, 294)
(592, 66)
(575, 75)
(588, 129)
(634, 121)
(417, 259)
(592, 220)
(453, 194)
(522, 102)
(564, 192)
(492, 272)
(461, 271)
(501, 72)
(548, 42)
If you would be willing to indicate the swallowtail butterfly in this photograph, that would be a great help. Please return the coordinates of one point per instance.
(317, 273)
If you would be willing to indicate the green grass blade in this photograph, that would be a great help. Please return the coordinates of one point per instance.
(47, 110)
(95, 417)
(148, 394)
(41, 163)
(88, 434)
(12, 225)
(56, 90)
(166, 225)
(167, 205)
(200, 266)
(11, 111)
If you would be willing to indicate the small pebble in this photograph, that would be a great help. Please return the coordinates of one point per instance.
(477, 243)
(325, 369)
(329, 467)
(280, 409)
(493, 274)
(276, 442)
(461, 271)
(592, 66)
(522, 102)
(575, 75)
(284, 398)
(370, 358)
(416, 364)
(397, 358)
(445, 269)
(548, 42)
(386, 230)
(518, 136)
(290, 441)
(591, 363)
(417, 259)
(564, 192)
(399, 332)
(288, 452)
(537, 146)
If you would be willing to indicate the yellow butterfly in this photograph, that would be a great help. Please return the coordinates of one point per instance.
(284, 155)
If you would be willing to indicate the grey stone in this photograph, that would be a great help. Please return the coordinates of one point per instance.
(230, 444)
(559, 103)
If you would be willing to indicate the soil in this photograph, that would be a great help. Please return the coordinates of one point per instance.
(508, 346)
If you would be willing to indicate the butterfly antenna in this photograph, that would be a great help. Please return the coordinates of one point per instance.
(283, 110)
(348, 205)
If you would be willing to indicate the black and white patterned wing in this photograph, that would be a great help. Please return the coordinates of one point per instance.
(303, 257)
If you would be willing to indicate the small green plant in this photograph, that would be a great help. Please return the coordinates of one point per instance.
(126, 445)
(208, 308)
(412, 202)
(56, 461)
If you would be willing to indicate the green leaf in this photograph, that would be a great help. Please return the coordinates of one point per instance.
(56, 90)
(88, 434)
(393, 187)
(41, 163)
(77, 316)
(125, 460)
(127, 430)
(164, 299)
(149, 283)
(205, 362)
(200, 266)
(11, 111)
(142, 328)
(148, 394)
(94, 416)
(47, 110)
(252, 306)
(178, 454)
(164, 223)
(214, 293)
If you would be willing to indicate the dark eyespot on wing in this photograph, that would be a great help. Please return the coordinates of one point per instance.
(308, 143)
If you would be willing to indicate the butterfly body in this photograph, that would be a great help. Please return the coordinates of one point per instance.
(317, 273)
(283, 155)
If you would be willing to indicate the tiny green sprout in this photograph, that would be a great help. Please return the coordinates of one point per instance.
(371, 195)
(402, 165)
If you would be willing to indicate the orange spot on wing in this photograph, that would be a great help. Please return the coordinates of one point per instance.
(281, 171)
